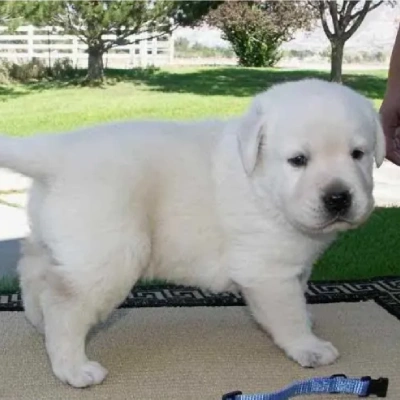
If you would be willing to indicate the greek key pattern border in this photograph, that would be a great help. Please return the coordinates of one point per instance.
(384, 291)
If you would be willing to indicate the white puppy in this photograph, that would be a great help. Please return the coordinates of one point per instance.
(248, 203)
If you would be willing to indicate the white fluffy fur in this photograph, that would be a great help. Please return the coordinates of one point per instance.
(208, 203)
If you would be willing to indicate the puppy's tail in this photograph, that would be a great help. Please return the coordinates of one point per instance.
(31, 156)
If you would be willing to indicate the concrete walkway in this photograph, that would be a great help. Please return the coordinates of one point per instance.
(14, 226)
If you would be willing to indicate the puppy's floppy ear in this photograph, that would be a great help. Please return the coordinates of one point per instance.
(380, 142)
(250, 134)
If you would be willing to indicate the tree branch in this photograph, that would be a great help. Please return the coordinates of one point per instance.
(121, 38)
(347, 17)
(313, 4)
(376, 5)
(115, 43)
(66, 21)
(355, 15)
(344, 5)
(361, 16)
(322, 8)
(334, 14)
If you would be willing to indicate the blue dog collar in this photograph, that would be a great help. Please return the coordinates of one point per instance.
(336, 384)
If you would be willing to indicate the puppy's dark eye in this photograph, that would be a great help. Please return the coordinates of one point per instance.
(298, 161)
(357, 154)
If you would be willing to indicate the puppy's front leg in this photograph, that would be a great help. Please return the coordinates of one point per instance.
(304, 277)
(280, 307)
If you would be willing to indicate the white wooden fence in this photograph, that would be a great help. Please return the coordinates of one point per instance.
(49, 44)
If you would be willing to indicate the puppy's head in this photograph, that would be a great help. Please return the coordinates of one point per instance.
(310, 146)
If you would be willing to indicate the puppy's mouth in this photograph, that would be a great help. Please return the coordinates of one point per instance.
(333, 225)
(328, 227)
(342, 223)
(338, 224)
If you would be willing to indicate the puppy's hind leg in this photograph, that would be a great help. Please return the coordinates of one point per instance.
(32, 267)
(79, 296)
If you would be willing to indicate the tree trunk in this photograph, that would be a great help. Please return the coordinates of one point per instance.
(337, 49)
(95, 64)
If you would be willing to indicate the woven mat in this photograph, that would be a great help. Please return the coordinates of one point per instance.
(199, 353)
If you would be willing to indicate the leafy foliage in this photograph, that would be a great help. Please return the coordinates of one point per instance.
(35, 70)
(256, 29)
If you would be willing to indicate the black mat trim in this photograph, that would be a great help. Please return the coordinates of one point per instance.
(384, 291)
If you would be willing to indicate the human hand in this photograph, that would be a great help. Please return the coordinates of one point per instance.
(390, 116)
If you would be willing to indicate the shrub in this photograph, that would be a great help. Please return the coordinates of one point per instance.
(32, 70)
(63, 69)
(35, 70)
(257, 29)
(4, 72)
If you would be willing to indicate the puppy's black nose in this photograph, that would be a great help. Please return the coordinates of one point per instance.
(337, 202)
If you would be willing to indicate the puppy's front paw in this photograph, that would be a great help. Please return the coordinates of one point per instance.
(312, 352)
(80, 376)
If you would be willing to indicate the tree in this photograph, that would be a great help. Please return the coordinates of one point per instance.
(7, 15)
(92, 20)
(345, 18)
(3, 13)
(256, 29)
(192, 12)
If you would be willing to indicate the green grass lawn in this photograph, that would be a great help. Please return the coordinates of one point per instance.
(173, 94)
(370, 251)
(196, 93)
